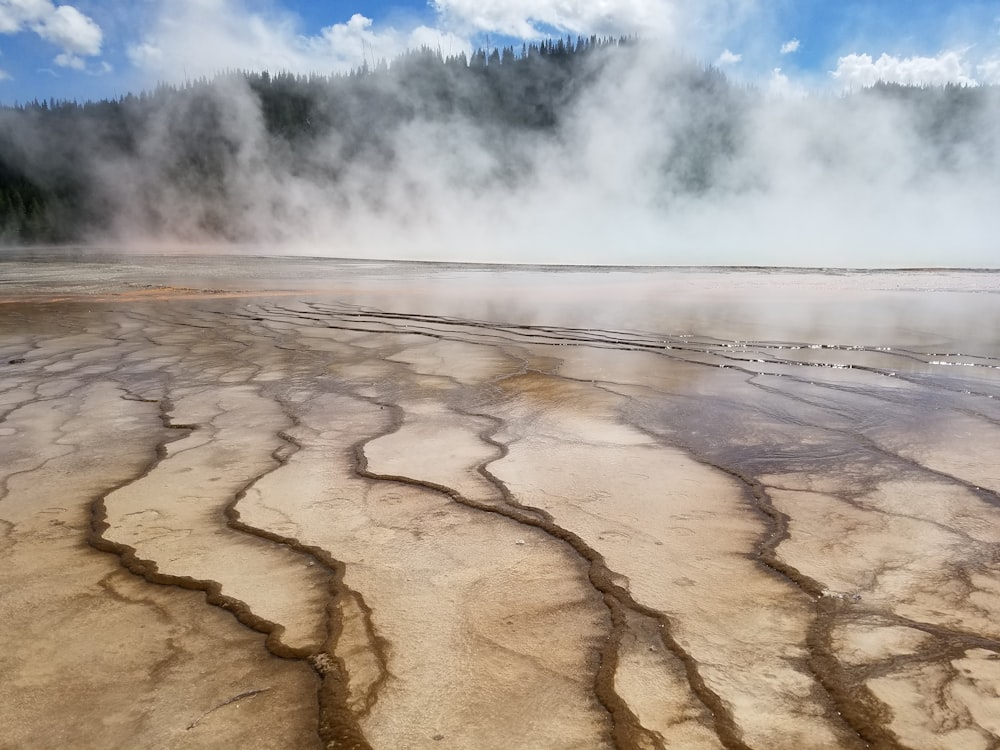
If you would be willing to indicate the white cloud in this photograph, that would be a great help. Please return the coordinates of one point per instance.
(728, 58)
(146, 56)
(988, 71)
(357, 41)
(857, 71)
(4, 75)
(66, 60)
(72, 30)
(229, 36)
(16, 14)
(792, 45)
(529, 19)
(780, 86)
(62, 25)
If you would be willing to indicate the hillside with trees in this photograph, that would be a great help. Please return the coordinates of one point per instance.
(70, 171)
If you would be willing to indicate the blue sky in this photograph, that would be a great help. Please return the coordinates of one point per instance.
(85, 49)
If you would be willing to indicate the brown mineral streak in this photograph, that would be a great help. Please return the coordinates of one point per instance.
(618, 599)
(338, 726)
(825, 445)
(627, 730)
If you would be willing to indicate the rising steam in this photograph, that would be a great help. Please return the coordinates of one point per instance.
(630, 154)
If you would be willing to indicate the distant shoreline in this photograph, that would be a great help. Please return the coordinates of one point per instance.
(97, 251)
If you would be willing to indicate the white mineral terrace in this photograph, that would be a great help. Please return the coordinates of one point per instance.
(294, 503)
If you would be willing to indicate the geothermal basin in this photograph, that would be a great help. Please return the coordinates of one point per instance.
(271, 502)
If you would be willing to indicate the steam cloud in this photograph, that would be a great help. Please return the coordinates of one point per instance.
(647, 162)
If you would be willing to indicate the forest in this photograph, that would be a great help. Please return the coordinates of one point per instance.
(79, 171)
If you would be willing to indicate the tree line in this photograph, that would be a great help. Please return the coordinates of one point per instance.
(60, 175)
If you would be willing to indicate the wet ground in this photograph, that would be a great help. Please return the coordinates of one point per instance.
(293, 503)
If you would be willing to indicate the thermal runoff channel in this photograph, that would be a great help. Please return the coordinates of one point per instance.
(267, 502)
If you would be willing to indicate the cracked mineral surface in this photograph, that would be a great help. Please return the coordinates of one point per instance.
(274, 502)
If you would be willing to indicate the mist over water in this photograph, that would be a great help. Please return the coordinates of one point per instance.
(632, 155)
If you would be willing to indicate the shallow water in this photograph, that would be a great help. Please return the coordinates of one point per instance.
(499, 506)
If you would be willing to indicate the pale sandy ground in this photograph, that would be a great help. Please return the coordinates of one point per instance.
(269, 503)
